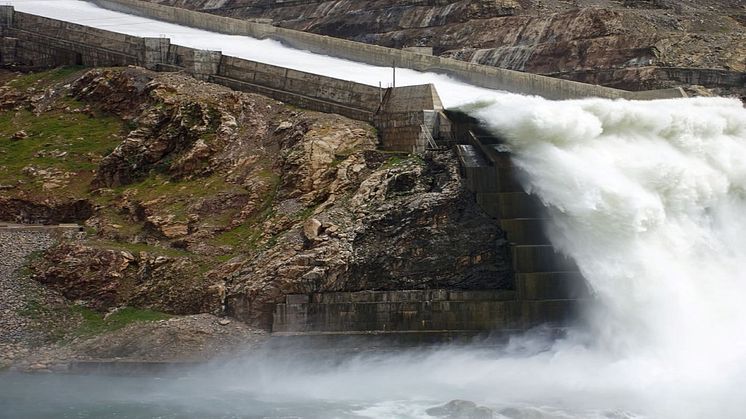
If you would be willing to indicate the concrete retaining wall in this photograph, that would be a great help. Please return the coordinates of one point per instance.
(43, 42)
(417, 311)
(40, 42)
(480, 75)
(707, 77)
(308, 84)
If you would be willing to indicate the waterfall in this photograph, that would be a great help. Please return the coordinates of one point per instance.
(649, 199)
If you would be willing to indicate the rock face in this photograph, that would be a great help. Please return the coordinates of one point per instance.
(574, 40)
(105, 278)
(49, 212)
(206, 200)
(409, 226)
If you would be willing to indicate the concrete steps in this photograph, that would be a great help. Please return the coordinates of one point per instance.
(506, 205)
(542, 275)
(551, 286)
(525, 231)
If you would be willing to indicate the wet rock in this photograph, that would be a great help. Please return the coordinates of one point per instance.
(461, 409)
(528, 413)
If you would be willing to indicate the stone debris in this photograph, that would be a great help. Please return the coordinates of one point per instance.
(19, 294)
(15, 289)
(461, 409)
(20, 135)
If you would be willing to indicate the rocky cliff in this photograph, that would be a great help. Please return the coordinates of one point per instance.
(199, 199)
(631, 44)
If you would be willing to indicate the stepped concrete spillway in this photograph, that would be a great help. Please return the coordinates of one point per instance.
(410, 117)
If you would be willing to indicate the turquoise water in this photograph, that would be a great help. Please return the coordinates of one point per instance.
(77, 396)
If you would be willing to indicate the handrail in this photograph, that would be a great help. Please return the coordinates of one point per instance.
(429, 137)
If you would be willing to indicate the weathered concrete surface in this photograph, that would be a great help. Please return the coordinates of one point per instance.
(405, 120)
(480, 75)
(418, 311)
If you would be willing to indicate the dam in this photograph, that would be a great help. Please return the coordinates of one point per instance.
(639, 202)
(546, 286)
(410, 116)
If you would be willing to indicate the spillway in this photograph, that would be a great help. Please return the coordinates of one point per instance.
(647, 197)
(453, 93)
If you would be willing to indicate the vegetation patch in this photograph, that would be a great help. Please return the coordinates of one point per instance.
(136, 248)
(60, 140)
(398, 159)
(248, 236)
(45, 78)
(95, 323)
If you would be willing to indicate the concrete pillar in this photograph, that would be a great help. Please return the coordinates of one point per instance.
(206, 64)
(155, 52)
(8, 51)
(6, 18)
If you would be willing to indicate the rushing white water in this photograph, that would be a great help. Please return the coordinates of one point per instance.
(648, 197)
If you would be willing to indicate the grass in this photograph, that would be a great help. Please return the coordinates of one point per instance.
(136, 248)
(399, 159)
(57, 139)
(178, 195)
(56, 320)
(82, 138)
(94, 322)
(45, 78)
(247, 237)
(34, 256)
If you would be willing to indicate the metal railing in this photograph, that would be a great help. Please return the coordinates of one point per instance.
(431, 144)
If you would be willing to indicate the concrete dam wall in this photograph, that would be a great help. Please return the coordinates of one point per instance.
(457, 313)
(36, 41)
(476, 74)
(41, 41)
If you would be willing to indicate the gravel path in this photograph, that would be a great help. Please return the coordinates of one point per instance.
(16, 245)
(17, 332)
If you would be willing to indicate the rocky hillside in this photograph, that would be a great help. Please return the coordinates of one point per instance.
(199, 199)
(632, 44)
